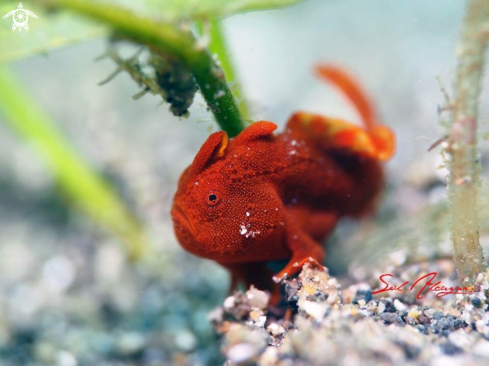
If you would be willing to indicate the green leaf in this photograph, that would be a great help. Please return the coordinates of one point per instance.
(176, 10)
(208, 9)
(46, 33)
(84, 188)
(52, 31)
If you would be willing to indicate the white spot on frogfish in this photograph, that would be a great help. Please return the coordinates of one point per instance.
(243, 230)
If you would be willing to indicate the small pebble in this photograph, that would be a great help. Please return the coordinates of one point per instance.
(414, 313)
(275, 329)
(449, 348)
(391, 318)
(389, 307)
(242, 352)
(421, 328)
(437, 315)
(477, 302)
(258, 299)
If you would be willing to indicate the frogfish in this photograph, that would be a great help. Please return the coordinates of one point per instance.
(264, 196)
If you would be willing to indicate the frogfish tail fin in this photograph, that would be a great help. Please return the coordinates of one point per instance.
(382, 136)
(351, 89)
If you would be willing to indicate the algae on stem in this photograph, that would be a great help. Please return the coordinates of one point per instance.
(464, 163)
(166, 38)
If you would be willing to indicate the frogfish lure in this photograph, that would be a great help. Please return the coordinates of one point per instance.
(263, 197)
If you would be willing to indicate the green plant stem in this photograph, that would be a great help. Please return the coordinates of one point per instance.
(219, 47)
(464, 162)
(82, 186)
(167, 38)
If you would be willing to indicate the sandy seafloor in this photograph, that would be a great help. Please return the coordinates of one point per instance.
(68, 298)
(356, 325)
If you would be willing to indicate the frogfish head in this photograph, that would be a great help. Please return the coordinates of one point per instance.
(216, 210)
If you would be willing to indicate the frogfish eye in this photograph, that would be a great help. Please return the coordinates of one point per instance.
(212, 198)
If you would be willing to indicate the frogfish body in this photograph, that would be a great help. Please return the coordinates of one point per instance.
(262, 196)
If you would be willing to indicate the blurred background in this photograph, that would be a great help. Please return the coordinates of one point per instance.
(68, 295)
